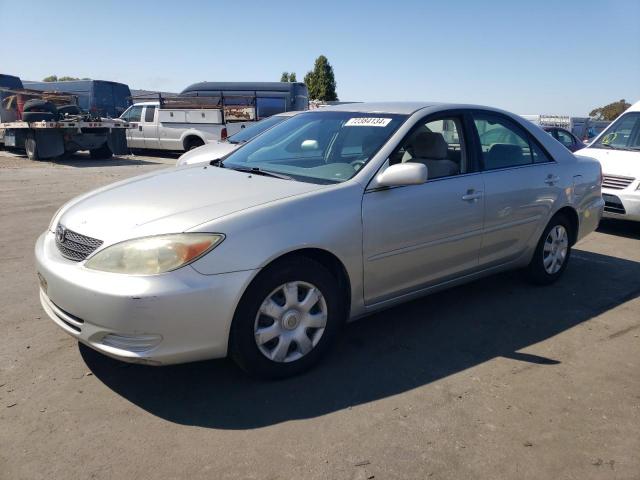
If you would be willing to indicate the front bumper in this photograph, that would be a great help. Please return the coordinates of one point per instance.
(622, 204)
(175, 317)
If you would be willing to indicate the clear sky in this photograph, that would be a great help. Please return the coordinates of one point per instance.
(555, 57)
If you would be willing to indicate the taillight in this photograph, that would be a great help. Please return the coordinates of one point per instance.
(223, 134)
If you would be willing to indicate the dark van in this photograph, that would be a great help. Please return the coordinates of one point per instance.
(268, 98)
(100, 97)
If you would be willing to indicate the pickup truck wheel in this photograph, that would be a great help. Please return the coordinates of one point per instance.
(193, 142)
(31, 147)
(102, 153)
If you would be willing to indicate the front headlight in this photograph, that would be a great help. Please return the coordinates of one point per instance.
(152, 255)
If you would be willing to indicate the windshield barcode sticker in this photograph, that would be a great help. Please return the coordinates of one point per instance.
(367, 122)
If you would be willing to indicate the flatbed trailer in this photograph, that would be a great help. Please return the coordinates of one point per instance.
(51, 139)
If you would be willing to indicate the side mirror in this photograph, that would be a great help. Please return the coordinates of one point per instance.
(401, 174)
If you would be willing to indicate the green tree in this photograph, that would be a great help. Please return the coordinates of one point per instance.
(321, 81)
(609, 112)
(55, 78)
(288, 77)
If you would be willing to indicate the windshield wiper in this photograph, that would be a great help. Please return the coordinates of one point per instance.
(260, 171)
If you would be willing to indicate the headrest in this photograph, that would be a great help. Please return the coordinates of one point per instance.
(430, 145)
(503, 155)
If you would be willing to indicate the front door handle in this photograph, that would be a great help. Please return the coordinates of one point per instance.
(472, 196)
(552, 179)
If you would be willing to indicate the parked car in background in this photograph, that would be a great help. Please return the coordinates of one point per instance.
(99, 97)
(565, 137)
(326, 217)
(220, 148)
(618, 150)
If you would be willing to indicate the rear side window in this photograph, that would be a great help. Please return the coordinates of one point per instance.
(149, 113)
(504, 144)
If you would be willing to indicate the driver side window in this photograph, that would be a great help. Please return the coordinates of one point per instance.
(438, 144)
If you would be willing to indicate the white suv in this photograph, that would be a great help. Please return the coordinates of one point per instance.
(618, 150)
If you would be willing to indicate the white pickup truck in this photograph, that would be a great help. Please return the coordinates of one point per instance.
(172, 127)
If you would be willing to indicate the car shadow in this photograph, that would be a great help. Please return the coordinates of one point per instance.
(388, 353)
(620, 228)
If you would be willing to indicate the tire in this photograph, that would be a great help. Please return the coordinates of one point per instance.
(38, 117)
(192, 142)
(543, 268)
(31, 147)
(37, 105)
(69, 110)
(295, 319)
(102, 153)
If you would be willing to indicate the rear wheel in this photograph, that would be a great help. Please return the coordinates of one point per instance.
(31, 147)
(192, 142)
(552, 252)
(102, 153)
(287, 319)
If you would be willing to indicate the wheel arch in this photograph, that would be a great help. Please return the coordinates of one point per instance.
(570, 214)
(190, 135)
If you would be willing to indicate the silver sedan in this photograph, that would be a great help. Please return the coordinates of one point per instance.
(327, 217)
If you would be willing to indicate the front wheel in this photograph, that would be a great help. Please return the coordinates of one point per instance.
(552, 252)
(287, 319)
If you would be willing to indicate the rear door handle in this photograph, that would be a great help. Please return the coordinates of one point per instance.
(472, 196)
(552, 179)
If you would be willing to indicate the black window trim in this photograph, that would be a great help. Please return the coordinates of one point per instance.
(518, 128)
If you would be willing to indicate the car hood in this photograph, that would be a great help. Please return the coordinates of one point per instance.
(172, 201)
(206, 153)
(615, 162)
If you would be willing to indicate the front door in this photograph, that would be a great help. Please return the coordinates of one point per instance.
(421, 235)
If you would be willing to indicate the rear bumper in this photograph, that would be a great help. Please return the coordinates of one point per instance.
(176, 317)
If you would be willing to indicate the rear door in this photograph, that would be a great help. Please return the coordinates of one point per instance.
(521, 184)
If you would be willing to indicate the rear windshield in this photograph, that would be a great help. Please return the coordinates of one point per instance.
(318, 147)
(623, 134)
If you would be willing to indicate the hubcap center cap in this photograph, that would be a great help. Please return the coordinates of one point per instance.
(291, 319)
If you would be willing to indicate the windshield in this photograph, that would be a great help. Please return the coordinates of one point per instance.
(624, 133)
(248, 133)
(319, 147)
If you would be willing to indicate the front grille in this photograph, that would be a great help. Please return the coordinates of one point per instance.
(616, 182)
(74, 246)
(613, 204)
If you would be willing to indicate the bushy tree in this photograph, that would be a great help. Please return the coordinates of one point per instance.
(321, 81)
(55, 78)
(288, 77)
(609, 112)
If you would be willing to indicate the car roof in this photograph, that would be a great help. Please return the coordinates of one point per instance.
(290, 113)
(404, 108)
